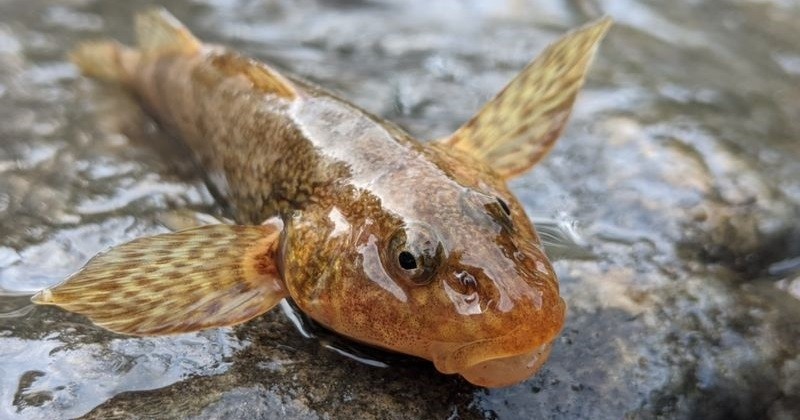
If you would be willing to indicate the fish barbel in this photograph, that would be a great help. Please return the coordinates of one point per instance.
(413, 247)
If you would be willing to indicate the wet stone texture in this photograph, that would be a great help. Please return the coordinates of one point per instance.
(678, 174)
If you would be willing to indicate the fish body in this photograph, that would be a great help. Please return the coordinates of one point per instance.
(414, 247)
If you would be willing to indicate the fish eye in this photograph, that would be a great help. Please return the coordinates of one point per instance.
(414, 254)
(407, 260)
(504, 205)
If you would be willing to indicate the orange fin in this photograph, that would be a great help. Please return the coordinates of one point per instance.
(205, 277)
(521, 124)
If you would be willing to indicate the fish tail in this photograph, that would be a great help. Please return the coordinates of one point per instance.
(158, 33)
(107, 60)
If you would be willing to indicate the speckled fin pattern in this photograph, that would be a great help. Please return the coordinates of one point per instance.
(519, 126)
(199, 278)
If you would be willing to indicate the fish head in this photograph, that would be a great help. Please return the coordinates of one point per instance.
(493, 308)
(499, 295)
(454, 274)
(499, 307)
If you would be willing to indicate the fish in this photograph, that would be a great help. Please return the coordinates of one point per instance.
(416, 247)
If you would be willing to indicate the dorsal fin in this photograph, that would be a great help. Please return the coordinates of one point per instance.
(520, 125)
(159, 32)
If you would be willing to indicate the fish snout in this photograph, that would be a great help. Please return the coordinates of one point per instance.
(507, 371)
(506, 359)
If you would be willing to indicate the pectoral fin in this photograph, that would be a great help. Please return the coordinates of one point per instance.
(205, 277)
(519, 126)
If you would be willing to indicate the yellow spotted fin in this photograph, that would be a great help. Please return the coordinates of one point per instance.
(204, 277)
(521, 124)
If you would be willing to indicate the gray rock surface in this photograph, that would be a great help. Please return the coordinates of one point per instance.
(679, 175)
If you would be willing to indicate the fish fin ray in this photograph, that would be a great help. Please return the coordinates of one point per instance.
(205, 277)
(158, 32)
(522, 123)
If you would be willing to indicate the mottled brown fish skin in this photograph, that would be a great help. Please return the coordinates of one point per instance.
(257, 159)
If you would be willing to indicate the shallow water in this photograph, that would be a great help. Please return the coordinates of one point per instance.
(679, 173)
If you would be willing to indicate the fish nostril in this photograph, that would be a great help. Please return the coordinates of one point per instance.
(467, 280)
(462, 290)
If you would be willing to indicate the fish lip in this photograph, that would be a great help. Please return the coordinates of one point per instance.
(452, 358)
(498, 369)
(457, 357)
(507, 371)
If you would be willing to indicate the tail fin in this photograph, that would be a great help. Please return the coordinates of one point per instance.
(158, 33)
(105, 60)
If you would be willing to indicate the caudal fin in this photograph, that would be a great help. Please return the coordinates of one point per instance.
(108, 60)
(158, 33)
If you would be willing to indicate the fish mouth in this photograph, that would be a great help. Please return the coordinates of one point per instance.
(484, 363)
(500, 361)
(507, 371)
